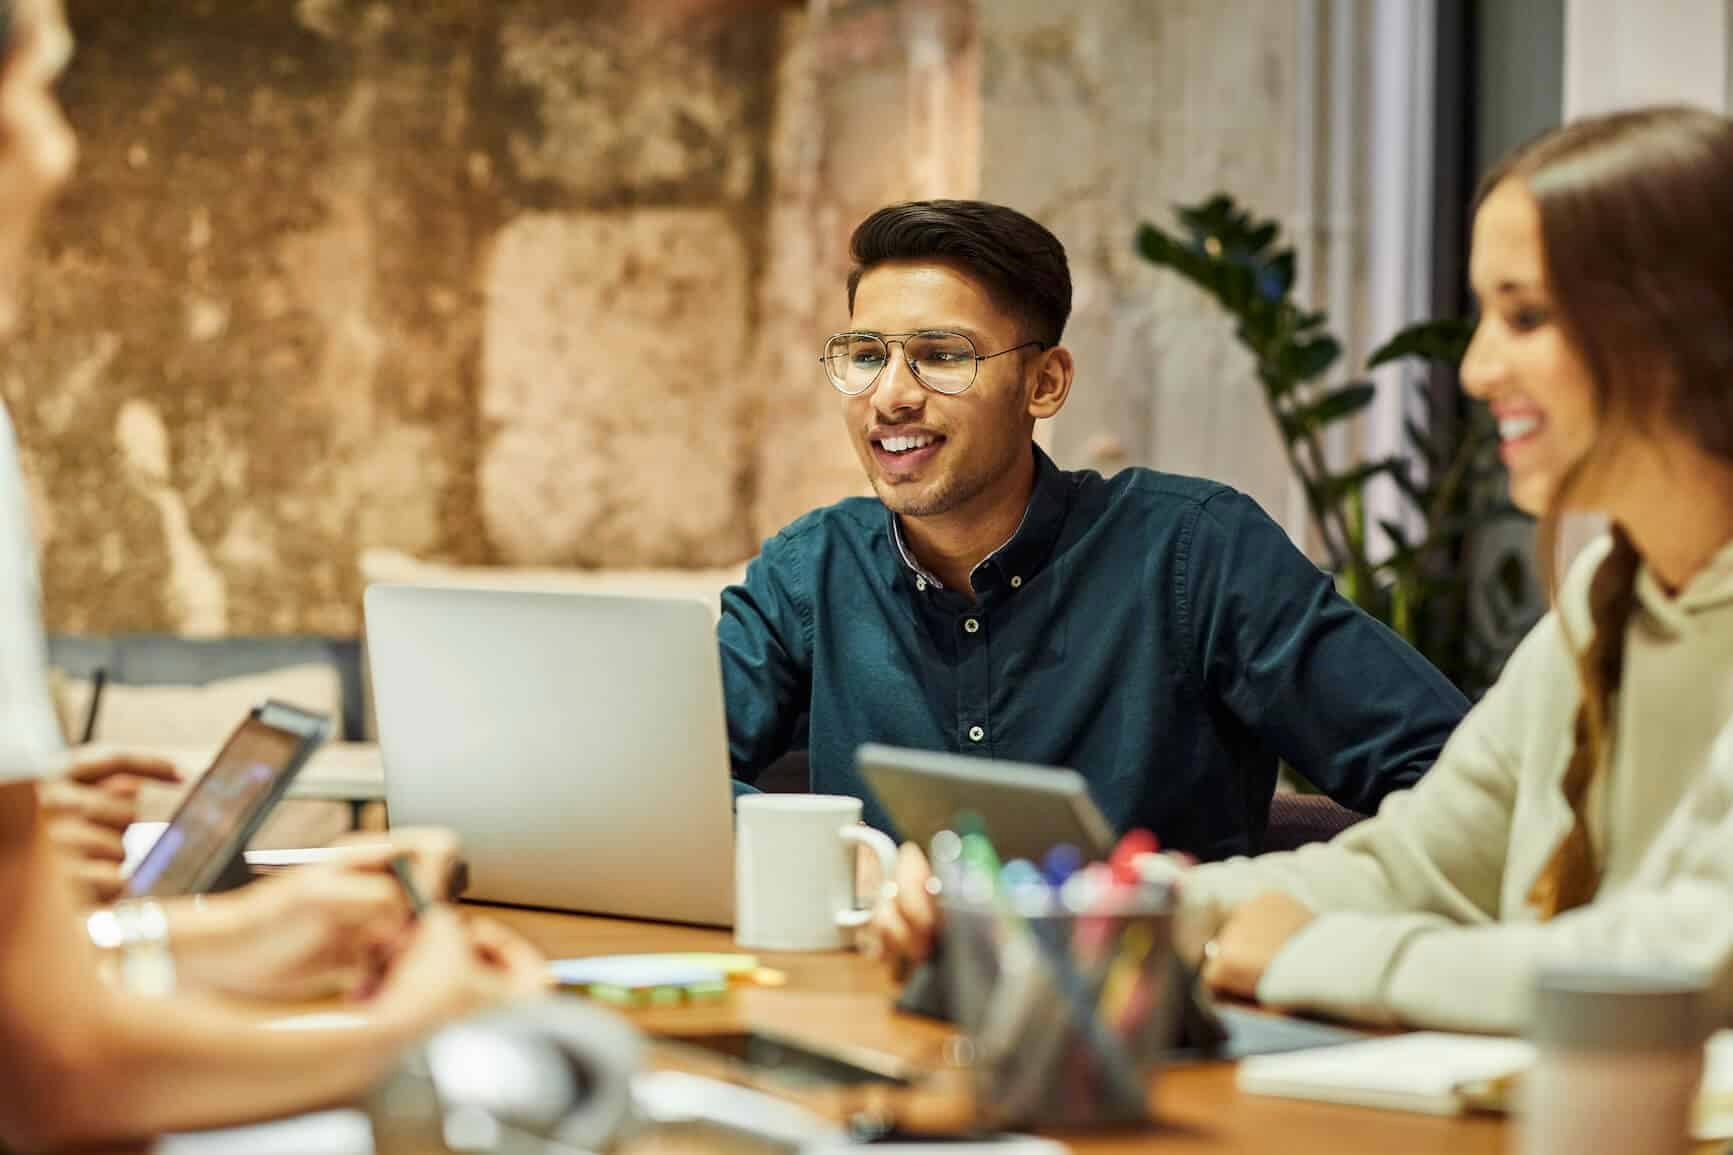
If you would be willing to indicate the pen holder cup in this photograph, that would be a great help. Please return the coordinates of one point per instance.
(1065, 1015)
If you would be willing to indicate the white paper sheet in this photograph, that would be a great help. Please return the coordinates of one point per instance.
(345, 1132)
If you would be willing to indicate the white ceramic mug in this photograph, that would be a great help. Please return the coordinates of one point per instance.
(794, 870)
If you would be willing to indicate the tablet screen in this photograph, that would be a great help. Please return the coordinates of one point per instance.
(1026, 810)
(222, 803)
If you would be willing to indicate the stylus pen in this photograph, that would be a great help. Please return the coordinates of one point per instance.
(400, 870)
(98, 681)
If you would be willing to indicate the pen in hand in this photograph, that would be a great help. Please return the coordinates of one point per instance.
(400, 870)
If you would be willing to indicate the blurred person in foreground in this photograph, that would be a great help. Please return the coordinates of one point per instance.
(1583, 812)
(84, 1060)
(88, 807)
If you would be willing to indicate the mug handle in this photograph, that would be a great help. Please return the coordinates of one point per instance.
(880, 844)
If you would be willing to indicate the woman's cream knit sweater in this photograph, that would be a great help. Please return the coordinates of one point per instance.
(1423, 917)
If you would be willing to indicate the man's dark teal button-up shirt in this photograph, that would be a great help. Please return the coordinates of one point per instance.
(1158, 634)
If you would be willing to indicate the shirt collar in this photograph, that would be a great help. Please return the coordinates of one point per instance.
(921, 572)
(1710, 587)
(1027, 549)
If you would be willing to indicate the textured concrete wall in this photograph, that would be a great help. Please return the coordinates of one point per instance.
(878, 102)
(469, 278)
(544, 281)
(1099, 115)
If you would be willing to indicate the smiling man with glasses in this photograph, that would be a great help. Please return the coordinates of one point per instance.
(1159, 634)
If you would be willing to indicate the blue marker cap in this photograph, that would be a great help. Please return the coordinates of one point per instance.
(1061, 863)
(1026, 888)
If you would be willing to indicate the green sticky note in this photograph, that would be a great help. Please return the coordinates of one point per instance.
(699, 992)
(726, 964)
(607, 993)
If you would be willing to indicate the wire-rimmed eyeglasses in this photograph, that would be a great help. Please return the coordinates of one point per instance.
(943, 361)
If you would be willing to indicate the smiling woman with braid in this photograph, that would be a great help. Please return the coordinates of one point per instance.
(1584, 810)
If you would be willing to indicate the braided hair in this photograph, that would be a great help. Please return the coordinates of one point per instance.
(1571, 875)
(1638, 249)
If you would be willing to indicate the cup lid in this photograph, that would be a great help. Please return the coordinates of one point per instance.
(1608, 1008)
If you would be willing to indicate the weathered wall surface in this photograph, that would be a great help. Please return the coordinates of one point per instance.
(1098, 116)
(544, 281)
(469, 278)
(878, 102)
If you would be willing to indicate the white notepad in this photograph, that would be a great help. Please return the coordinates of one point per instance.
(1429, 1072)
(1419, 1072)
(342, 1132)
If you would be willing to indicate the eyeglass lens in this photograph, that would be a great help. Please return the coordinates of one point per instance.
(944, 362)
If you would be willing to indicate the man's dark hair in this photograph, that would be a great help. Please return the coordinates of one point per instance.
(1018, 261)
(5, 31)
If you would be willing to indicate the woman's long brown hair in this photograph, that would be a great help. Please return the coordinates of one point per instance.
(1636, 219)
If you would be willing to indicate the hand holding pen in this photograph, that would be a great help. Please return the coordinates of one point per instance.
(444, 966)
(401, 870)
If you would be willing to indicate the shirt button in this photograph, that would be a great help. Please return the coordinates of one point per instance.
(921, 584)
(1016, 583)
(970, 625)
(976, 733)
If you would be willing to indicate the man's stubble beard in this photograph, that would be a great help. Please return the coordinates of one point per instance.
(950, 494)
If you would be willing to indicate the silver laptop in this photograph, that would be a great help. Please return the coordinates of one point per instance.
(576, 742)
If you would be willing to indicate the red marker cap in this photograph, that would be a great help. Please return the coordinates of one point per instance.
(1123, 860)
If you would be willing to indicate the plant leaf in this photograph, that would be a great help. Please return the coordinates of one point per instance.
(1332, 406)
(1338, 485)
(1309, 360)
(1420, 496)
(1424, 442)
(1154, 244)
(1398, 535)
(1209, 218)
(1236, 286)
(1277, 278)
(1444, 341)
(1162, 249)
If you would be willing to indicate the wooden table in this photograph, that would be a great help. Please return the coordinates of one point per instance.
(847, 998)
